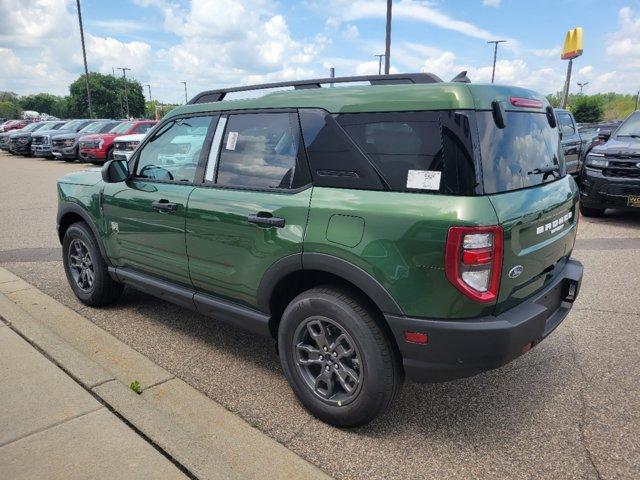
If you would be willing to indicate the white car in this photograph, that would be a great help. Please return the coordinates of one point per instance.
(124, 146)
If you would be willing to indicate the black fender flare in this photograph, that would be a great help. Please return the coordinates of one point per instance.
(65, 208)
(325, 263)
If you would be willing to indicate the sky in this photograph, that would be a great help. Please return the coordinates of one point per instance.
(218, 43)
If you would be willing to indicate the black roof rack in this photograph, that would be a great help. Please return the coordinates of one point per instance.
(396, 78)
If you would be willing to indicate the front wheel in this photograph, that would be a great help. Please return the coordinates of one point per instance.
(338, 360)
(85, 268)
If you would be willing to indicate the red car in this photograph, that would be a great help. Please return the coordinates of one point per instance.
(14, 125)
(98, 148)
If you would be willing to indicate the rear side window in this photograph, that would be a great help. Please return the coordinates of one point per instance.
(417, 151)
(143, 127)
(513, 156)
(261, 150)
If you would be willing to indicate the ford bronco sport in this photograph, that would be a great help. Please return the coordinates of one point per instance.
(412, 228)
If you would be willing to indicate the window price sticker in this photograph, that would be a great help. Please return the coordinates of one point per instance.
(232, 139)
(424, 179)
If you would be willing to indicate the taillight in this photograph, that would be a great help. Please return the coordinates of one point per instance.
(473, 261)
(525, 102)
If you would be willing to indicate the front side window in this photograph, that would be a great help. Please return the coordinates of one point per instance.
(259, 150)
(173, 153)
(566, 124)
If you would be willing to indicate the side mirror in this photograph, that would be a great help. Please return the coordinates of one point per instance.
(604, 136)
(551, 116)
(115, 171)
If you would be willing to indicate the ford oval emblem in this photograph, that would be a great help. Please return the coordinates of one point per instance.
(516, 271)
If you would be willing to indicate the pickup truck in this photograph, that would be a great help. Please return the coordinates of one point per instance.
(576, 145)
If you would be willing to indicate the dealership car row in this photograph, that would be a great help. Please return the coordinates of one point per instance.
(87, 140)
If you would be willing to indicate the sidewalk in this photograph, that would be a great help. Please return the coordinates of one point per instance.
(67, 412)
(51, 427)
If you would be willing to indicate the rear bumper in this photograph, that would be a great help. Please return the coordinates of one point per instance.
(600, 191)
(462, 348)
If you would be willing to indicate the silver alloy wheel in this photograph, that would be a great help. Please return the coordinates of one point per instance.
(328, 360)
(81, 265)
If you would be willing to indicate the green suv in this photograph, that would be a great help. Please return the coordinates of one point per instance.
(408, 227)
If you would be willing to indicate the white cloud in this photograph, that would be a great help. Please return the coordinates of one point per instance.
(625, 42)
(586, 71)
(371, 68)
(491, 3)
(120, 26)
(351, 32)
(546, 52)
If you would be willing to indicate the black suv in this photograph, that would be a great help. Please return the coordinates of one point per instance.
(611, 175)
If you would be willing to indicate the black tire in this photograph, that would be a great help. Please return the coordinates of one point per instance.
(591, 212)
(377, 367)
(103, 290)
(69, 160)
(109, 154)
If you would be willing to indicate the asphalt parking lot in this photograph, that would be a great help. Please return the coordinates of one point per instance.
(570, 408)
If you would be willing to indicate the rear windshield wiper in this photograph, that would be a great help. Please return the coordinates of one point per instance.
(630, 135)
(551, 169)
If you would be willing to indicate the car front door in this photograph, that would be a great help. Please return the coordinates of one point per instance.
(145, 216)
(252, 205)
(570, 143)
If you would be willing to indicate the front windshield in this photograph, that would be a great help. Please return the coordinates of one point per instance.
(122, 128)
(31, 127)
(71, 125)
(93, 127)
(630, 127)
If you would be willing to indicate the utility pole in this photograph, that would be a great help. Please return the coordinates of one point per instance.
(387, 44)
(185, 92)
(84, 56)
(495, 56)
(126, 91)
(332, 74)
(149, 87)
(637, 99)
(582, 85)
(380, 55)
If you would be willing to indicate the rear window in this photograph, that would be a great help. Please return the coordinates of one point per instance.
(512, 156)
(428, 152)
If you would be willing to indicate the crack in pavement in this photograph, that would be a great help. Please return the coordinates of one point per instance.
(583, 406)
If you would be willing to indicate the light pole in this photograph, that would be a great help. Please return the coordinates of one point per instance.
(149, 87)
(582, 85)
(185, 92)
(380, 55)
(126, 91)
(495, 56)
(84, 56)
(387, 43)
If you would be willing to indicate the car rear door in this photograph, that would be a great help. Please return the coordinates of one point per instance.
(145, 216)
(251, 207)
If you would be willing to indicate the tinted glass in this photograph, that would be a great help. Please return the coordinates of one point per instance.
(333, 157)
(259, 150)
(173, 152)
(630, 127)
(93, 127)
(143, 127)
(512, 155)
(107, 127)
(122, 128)
(417, 151)
(71, 125)
(566, 124)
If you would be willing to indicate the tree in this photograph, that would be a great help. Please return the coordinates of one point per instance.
(6, 96)
(587, 109)
(555, 99)
(45, 103)
(107, 96)
(10, 110)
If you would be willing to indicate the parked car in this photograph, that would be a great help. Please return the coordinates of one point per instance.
(611, 175)
(20, 140)
(124, 146)
(65, 143)
(575, 144)
(412, 228)
(97, 148)
(14, 125)
(88, 134)
(601, 130)
(41, 140)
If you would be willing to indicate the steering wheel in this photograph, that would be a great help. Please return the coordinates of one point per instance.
(157, 174)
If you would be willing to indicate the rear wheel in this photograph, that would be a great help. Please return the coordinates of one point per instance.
(336, 357)
(591, 212)
(85, 268)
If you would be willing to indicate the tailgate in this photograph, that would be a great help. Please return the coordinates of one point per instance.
(539, 225)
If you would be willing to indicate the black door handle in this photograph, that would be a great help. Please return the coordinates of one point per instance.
(265, 219)
(165, 205)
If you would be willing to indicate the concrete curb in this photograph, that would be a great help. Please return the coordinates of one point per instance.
(194, 431)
